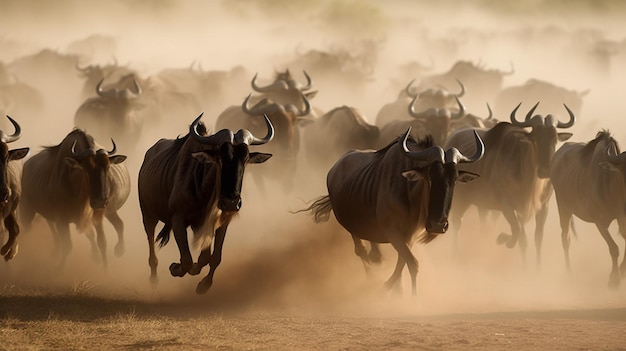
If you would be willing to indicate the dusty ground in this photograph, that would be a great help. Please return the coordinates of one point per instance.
(285, 282)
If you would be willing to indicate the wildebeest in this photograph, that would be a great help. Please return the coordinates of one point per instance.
(285, 90)
(395, 195)
(589, 183)
(286, 119)
(10, 188)
(438, 98)
(333, 134)
(113, 113)
(76, 181)
(514, 172)
(433, 121)
(195, 181)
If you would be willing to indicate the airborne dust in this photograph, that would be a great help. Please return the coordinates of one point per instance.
(273, 258)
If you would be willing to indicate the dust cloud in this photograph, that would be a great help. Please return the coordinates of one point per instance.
(273, 258)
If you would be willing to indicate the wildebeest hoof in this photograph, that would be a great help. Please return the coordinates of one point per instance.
(8, 252)
(503, 238)
(195, 269)
(176, 270)
(119, 250)
(204, 286)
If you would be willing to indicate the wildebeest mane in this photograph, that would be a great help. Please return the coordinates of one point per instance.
(604, 135)
(424, 143)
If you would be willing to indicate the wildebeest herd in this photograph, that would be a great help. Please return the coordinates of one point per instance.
(392, 180)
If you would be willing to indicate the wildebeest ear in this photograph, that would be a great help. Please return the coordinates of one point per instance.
(18, 154)
(564, 136)
(258, 157)
(413, 175)
(72, 162)
(310, 94)
(203, 157)
(608, 166)
(466, 177)
(117, 159)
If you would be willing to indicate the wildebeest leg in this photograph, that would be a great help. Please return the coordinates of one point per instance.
(149, 224)
(405, 254)
(9, 250)
(456, 218)
(540, 220)
(180, 234)
(56, 239)
(565, 218)
(95, 253)
(214, 261)
(397, 273)
(63, 230)
(361, 251)
(375, 256)
(118, 224)
(517, 233)
(614, 251)
(102, 240)
(622, 230)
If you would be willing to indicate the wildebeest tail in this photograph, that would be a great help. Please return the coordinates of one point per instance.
(320, 209)
(164, 235)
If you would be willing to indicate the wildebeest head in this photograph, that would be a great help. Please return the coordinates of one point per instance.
(286, 118)
(122, 92)
(7, 155)
(437, 120)
(94, 163)
(438, 168)
(231, 154)
(544, 135)
(285, 89)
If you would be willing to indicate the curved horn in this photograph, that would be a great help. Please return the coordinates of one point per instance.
(215, 139)
(278, 84)
(480, 151)
(16, 135)
(73, 149)
(461, 112)
(307, 107)
(257, 110)
(433, 153)
(267, 138)
(530, 113)
(462, 89)
(99, 88)
(611, 154)
(407, 90)
(572, 119)
(490, 113)
(411, 109)
(309, 82)
(83, 70)
(526, 122)
(112, 152)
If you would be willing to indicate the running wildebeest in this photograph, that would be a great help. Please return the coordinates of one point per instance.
(395, 195)
(589, 183)
(10, 188)
(195, 181)
(82, 184)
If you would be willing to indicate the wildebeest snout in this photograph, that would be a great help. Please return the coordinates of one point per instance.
(230, 204)
(437, 227)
